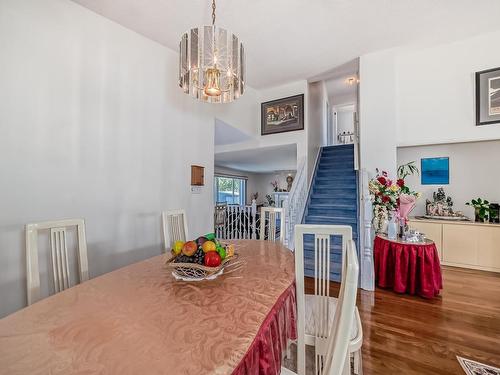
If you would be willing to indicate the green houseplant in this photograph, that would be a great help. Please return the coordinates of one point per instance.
(481, 207)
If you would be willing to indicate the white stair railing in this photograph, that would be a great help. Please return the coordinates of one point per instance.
(366, 237)
(295, 204)
(240, 223)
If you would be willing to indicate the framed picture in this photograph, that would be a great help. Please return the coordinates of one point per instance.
(435, 171)
(282, 115)
(488, 97)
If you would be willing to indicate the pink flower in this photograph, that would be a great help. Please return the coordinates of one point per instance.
(388, 182)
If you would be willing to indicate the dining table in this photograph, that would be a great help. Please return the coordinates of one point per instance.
(140, 319)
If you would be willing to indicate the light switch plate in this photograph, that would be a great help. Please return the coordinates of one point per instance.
(196, 189)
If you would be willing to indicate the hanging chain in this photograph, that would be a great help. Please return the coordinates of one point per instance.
(213, 12)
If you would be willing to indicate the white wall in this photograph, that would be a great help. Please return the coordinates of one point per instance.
(435, 93)
(473, 172)
(417, 96)
(93, 125)
(318, 119)
(262, 183)
(345, 118)
(295, 137)
(377, 113)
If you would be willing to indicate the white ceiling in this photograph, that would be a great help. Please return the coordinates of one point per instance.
(287, 40)
(340, 90)
(260, 160)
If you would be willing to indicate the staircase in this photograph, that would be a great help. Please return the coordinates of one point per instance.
(333, 199)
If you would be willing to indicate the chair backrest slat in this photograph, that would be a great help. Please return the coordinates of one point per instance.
(174, 227)
(59, 255)
(337, 333)
(271, 215)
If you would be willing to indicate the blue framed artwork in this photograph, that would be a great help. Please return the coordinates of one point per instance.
(435, 171)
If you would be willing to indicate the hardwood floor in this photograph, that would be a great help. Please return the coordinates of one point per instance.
(410, 335)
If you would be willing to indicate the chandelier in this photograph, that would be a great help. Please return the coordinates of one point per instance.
(212, 64)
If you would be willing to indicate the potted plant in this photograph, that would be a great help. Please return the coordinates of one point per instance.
(481, 208)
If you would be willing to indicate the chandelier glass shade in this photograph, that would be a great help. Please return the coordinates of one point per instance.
(212, 64)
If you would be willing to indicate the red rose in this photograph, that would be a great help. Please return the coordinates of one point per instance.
(401, 182)
(382, 180)
(385, 199)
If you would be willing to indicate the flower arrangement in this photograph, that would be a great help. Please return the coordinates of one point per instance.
(386, 193)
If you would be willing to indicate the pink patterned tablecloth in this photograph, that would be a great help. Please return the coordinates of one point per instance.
(139, 320)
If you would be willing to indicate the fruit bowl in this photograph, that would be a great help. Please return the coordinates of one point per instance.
(202, 259)
(197, 272)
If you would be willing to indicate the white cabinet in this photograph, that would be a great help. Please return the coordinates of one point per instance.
(461, 244)
(464, 244)
(432, 232)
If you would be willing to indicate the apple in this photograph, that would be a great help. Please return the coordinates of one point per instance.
(178, 245)
(212, 259)
(189, 248)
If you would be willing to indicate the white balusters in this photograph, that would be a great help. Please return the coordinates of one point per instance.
(236, 222)
(295, 204)
(366, 241)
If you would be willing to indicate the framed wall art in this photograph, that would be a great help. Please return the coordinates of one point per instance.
(282, 115)
(435, 171)
(488, 97)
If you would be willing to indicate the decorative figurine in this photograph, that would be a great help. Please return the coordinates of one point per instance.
(441, 207)
(289, 182)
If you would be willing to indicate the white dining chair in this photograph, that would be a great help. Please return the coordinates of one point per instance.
(59, 255)
(318, 312)
(174, 227)
(274, 217)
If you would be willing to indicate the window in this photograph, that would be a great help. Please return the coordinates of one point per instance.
(230, 189)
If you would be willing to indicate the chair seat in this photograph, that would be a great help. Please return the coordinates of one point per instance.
(310, 313)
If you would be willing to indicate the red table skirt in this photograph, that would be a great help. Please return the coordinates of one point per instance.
(407, 268)
(265, 354)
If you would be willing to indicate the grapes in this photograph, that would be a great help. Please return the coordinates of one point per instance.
(199, 256)
(184, 259)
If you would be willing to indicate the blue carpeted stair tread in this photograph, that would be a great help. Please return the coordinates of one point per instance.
(332, 200)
